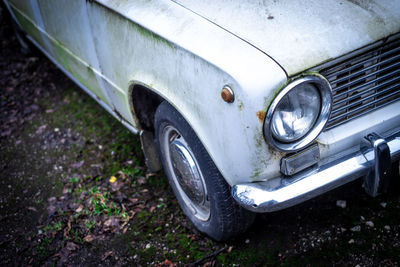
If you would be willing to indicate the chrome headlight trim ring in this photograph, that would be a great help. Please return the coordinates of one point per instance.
(325, 93)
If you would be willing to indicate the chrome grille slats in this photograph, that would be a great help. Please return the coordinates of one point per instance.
(364, 82)
(354, 96)
(370, 67)
(363, 107)
(331, 71)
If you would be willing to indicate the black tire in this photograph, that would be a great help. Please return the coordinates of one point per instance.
(226, 218)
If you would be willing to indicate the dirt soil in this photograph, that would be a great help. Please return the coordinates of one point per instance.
(74, 191)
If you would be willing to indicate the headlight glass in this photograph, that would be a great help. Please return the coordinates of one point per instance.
(296, 113)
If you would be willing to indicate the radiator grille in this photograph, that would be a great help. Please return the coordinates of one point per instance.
(364, 82)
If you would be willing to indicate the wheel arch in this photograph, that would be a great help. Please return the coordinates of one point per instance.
(144, 101)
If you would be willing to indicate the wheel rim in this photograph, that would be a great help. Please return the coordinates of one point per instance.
(185, 172)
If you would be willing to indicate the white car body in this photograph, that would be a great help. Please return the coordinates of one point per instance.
(186, 51)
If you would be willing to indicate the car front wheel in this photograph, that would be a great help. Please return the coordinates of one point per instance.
(202, 192)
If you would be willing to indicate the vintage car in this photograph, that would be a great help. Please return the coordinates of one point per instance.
(249, 106)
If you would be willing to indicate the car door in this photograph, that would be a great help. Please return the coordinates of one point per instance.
(61, 28)
(68, 29)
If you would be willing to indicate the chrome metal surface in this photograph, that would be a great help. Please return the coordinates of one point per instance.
(326, 99)
(282, 192)
(186, 174)
(365, 82)
(295, 163)
(377, 180)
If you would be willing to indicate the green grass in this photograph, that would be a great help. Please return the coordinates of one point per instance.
(56, 226)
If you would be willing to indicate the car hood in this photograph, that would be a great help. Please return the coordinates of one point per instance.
(300, 34)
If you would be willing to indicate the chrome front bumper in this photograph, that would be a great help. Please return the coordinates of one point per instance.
(284, 192)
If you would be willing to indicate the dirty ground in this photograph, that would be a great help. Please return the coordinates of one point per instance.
(74, 191)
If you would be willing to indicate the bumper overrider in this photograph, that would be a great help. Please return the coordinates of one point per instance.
(373, 161)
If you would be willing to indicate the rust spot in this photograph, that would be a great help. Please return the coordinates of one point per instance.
(261, 115)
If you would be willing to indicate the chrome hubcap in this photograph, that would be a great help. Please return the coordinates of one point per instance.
(186, 173)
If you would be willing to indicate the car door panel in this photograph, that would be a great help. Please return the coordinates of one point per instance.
(72, 43)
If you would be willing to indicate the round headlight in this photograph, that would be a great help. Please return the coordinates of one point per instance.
(298, 113)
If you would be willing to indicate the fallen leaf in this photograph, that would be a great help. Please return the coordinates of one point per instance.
(151, 174)
(73, 206)
(132, 213)
(68, 228)
(51, 210)
(121, 175)
(41, 129)
(6, 133)
(77, 165)
(79, 209)
(139, 207)
(71, 246)
(208, 263)
(134, 200)
(141, 180)
(112, 222)
(113, 179)
(108, 223)
(167, 262)
(152, 209)
(107, 254)
(88, 238)
(32, 208)
(96, 165)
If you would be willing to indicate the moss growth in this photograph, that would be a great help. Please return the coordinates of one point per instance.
(152, 36)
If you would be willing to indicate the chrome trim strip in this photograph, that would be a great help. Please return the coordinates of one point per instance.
(285, 192)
